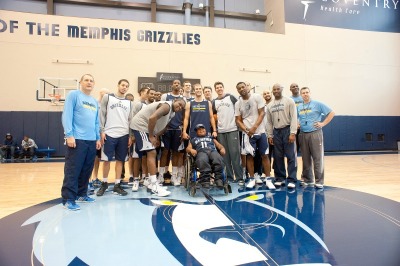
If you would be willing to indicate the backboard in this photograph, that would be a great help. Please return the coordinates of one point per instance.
(55, 90)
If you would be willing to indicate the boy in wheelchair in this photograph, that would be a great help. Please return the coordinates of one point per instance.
(204, 148)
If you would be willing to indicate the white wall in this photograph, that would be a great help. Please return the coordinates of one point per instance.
(355, 72)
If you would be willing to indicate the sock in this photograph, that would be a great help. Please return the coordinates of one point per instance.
(117, 181)
(161, 170)
(180, 171)
(105, 179)
(174, 170)
(153, 179)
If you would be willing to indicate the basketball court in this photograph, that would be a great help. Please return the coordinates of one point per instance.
(355, 220)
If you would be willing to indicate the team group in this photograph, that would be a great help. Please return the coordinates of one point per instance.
(159, 129)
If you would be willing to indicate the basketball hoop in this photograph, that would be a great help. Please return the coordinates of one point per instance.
(55, 98)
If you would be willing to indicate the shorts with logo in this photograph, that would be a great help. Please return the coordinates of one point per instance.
(172, 140)
(117, 147)
(258, 143)
(142, 144)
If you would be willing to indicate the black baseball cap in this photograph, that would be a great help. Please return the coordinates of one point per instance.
(199, 126)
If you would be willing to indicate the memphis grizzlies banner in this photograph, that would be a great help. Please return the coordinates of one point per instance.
(368, 15)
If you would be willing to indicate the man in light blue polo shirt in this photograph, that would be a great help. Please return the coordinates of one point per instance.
(80, 120)
(311, 138)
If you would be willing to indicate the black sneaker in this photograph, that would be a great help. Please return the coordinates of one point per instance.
(118, 190)
(241, 182)
(103, 188)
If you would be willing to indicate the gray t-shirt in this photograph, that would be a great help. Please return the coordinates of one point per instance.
(248, 109)
(140, 121)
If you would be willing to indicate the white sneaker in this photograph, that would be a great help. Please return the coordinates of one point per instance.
(291, 185)
(258, 178)
(278, 183)
(319, 186)
(146, 182)
(251, 183)
(159, 191)
(135, 185)
(160, 179)
(269, 184)
(305, 184)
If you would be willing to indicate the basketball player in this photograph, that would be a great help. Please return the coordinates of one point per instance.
(148, 125)
(249, 113)
(172, 140)
(115, 115)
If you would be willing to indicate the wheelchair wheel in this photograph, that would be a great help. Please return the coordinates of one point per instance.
(188, 172)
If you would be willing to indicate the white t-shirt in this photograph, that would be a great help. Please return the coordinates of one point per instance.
(248, 109)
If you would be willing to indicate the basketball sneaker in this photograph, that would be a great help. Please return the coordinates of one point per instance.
(269, 184)
(71, 205)
(251, 183)
(135, 185)
(258, 178)
(85, 199)
(90, 190)
(103, 188)
(146, 182)
(291, 185)
(241, 182)
(97, 183)
(160, 179)
(118, 190)
(159, 190)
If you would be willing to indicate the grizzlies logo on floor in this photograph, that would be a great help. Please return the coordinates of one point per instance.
(257, 227)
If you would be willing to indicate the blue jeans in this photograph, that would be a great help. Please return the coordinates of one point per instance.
(79, 162)
(283, 148)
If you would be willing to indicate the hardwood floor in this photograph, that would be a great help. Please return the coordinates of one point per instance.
(27, 184)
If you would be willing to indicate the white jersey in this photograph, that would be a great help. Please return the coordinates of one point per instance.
(248, 109)
(140, 121)
(115, 114)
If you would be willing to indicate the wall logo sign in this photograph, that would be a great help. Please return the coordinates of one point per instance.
(88, 32)
(306, 3)
(369, 15)
(163, 77)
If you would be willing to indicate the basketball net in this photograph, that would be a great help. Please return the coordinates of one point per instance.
(55, 99)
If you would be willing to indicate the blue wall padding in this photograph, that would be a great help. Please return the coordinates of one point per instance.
(344, 133)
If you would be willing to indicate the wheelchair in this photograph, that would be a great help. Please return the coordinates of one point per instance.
(193, 182)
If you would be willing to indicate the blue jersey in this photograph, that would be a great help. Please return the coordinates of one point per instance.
(203, 143)
(80, 117)
(310, 113)
(199, 114)
(177, 121)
